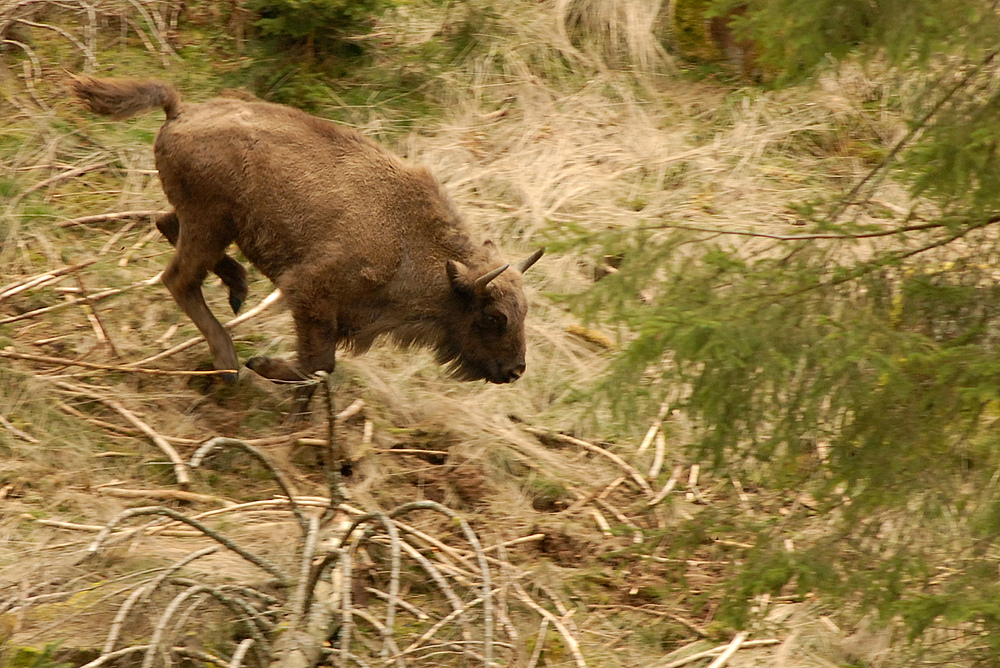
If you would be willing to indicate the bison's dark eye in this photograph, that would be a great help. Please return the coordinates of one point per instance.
(494, 322)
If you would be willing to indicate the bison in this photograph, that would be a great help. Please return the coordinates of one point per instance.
(361, 243)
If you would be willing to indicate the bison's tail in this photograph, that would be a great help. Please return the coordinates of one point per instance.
(122, 98)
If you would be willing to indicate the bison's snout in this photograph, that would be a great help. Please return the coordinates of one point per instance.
(512, 374)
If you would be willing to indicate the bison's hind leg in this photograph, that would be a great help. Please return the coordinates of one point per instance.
(232, 273)
(201, 244)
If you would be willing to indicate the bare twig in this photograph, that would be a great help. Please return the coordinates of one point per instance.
(389, 644)
(180, 469)
(484, 567)
(299, 600)
(620, 516)
(68, 174)
(116, 624)
(260, 562)
(97, 528)
(693, 492)
(200, 655)
(628, 468)
(161, 495)
(403, 603)
(729, 651)
(161, 625)
(653, 428)
(716, 651)
(516, 541)
(100, 329)
(70, 302)
(221, 442)
(103, 217)
(108, 658)
(571, 642)
(177, 565)
(252, 618)
(154, 27)
(32, 71)
(137, 246)
(439, 580)
(333, 454)
(427, 635)
(268, 301)
(241, 651)
(122, 231)
(17, 432)
(667, 488)
(536, 653)
(659, 453)
(87, 52)
(28, 283)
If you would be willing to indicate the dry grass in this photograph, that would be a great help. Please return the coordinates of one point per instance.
(528, 159)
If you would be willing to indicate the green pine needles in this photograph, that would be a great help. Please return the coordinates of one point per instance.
(865, 382)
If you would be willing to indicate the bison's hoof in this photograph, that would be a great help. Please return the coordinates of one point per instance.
(229, 377)
(236, 303)
(255, 364)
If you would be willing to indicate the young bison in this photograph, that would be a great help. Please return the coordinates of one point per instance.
(360, 243)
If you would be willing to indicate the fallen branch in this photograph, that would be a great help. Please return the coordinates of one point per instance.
(667, 488)
(572, 440)
(260, 562)
(161, 495)
(70, 302)
(536, 654)
(302, 436)
(718, 651)
(68, 174)
(103, 217)
(653, 428)
(484, 567)
(220, 442)
(17, 432)
(659, 453)
(241, 651)
(97, 528)
(145, 591)
(571, 643)
(729, 651)
(180, 469)
(516, 541)
(28, 283)
(267, 302)
(88, 53)
(46, 359)
(95, 319)
(108, 658)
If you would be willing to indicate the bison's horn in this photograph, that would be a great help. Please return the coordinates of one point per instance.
(484, 280)
(526, 263)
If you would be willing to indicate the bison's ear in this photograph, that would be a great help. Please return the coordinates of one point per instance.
(460, 279)
(492, 249)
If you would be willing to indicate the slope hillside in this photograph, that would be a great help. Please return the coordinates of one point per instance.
(565, 515)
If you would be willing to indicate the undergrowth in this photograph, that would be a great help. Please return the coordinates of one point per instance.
(541, 138)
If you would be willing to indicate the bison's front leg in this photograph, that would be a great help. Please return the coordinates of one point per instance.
(316, 352)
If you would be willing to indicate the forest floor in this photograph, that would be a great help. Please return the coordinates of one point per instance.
(95, 358)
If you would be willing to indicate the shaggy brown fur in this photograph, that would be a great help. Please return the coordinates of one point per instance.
(361, 243)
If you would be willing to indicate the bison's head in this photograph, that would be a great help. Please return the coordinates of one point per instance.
(484, 335)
